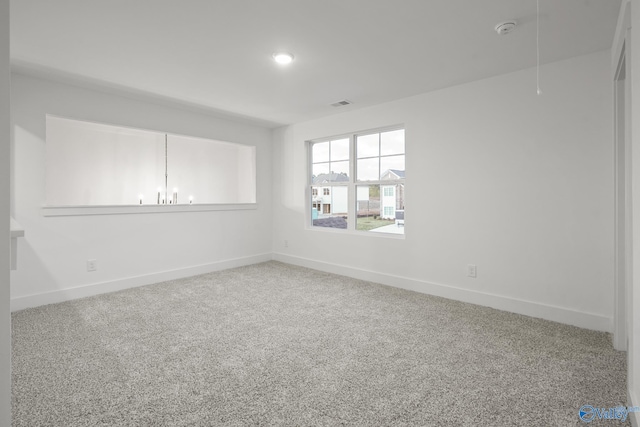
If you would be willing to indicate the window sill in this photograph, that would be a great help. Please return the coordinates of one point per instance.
(142, 209)
(356, 232)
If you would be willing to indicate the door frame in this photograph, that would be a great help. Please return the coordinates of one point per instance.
(622, 187)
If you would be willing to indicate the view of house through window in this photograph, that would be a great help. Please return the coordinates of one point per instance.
(359, 179)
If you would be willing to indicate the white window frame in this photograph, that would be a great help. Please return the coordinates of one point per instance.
(351, 185)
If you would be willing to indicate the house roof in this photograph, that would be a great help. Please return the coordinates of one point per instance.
(325, 178)
(396, 172)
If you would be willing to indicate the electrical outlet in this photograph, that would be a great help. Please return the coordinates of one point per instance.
(92, 265)
(286, 243)
(472, 270)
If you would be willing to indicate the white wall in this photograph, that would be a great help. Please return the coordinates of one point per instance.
(518, 184)
(79, 155)
(5, 316)
(130, 249)
(211, 171)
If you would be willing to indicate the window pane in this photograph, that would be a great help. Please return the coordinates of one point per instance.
(330, 172)
(368, 169)
(319, 171)
(392, 142)
(362, 193)
(368, 201)
(320, 152)
(375, 211)
(340, 149)
(368, 145)
(329, 207)
(392, 167)
(340, 171)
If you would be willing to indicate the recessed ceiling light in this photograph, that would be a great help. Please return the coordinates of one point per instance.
(283, 57)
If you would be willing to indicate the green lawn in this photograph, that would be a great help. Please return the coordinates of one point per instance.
(368, 223)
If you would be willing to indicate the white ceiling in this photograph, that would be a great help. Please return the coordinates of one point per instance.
(216, 54)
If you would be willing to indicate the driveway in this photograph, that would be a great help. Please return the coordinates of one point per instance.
(392, 228)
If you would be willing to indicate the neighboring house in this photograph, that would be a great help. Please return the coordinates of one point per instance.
(368, 200)
(392, 195)
(327, 199)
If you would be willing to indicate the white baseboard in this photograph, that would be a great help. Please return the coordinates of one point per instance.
(61, 295)
(543, 311)
(528, 308)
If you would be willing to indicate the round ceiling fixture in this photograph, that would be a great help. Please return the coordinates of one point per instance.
(505, 27)
(283, 57)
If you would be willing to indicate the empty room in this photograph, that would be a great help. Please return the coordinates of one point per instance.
(320, 213)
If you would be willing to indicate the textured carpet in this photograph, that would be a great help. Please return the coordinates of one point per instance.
(273, 344)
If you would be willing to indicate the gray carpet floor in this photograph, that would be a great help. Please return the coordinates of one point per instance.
(274, 344)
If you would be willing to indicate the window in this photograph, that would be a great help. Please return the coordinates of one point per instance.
(363, 179)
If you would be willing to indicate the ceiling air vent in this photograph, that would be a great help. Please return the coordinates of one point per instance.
(341, 103)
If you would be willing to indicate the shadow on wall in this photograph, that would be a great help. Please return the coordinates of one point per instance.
(33, 276)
